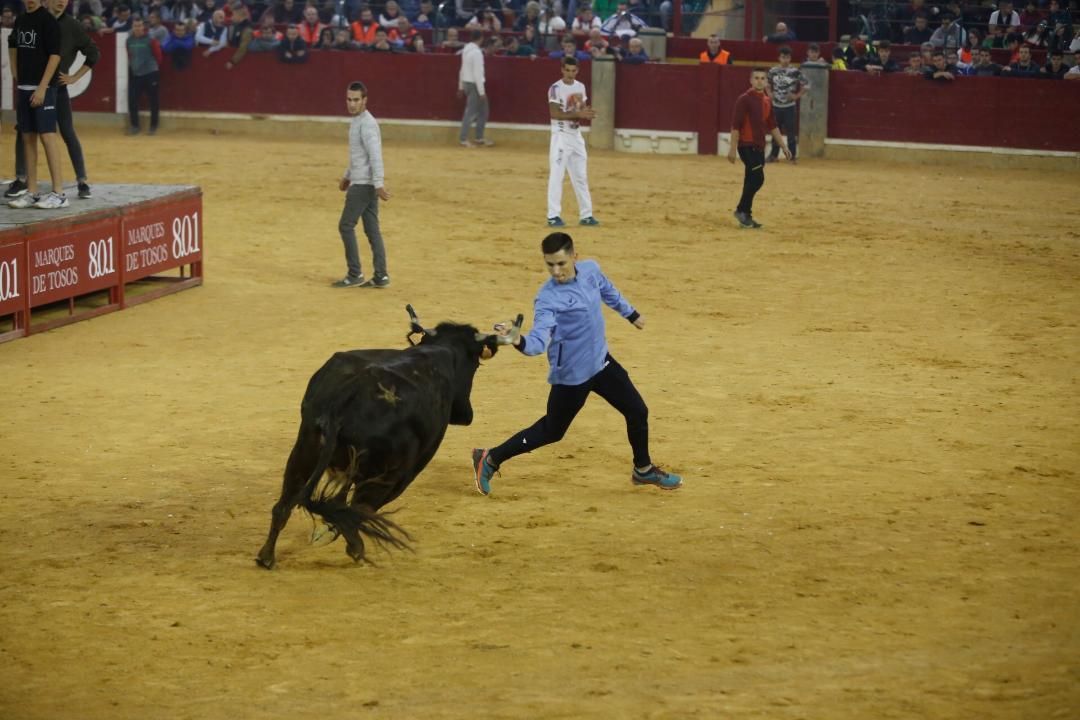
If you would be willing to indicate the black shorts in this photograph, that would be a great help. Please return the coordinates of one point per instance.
(41, 119)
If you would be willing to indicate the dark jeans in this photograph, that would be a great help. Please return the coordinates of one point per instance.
(137, 86)
(362, 202)
(66, 125)
(753, 159)
(787, 119)
(564, 401)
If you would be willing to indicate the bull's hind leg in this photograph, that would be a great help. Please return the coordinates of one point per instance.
(301, 464)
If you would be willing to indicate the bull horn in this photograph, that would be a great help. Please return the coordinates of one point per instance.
(414, 321)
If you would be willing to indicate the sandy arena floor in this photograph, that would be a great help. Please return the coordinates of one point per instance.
(872, 401)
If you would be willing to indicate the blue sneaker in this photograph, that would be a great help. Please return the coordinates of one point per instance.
(589, 221)
(484, 469)
(556, 222)
(656, 476)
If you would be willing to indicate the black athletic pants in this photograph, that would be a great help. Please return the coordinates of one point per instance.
(65, 123)
(137, 85)
(787, 119)
(564, 401)
(753, 178)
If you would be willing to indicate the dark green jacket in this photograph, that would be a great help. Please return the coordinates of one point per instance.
(74, 39)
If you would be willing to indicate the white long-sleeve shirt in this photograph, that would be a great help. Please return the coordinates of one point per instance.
(365, 152)
(472, 67)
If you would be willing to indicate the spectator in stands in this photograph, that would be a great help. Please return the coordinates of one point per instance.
(155, 29)
(240, 33)
(178, 46)
(915, 65)
(927, 52)
(266, 38)
(485, 19)
(325, 41)
(962, 68)
(985, 67)
(310, 27)
(995, 38)
(343, 40)
(713, 53)
(550, 23)
(121, 21)
(185, 11)
(293, 50)
(1055, 69)
(289, 12)
(425, 19)
(390, 15)
(382, 42)
(635, 52)
(883, 63)
(1013, 41)
(781, 35)
(940, 71)
(919, 33)
(1030, 16)
(813, 56)
(7, 17)
(569, 48)
(80, 8)
(585, 22)
(1024, 67)
(531, 16)
(949, 34)
(144, 58)
(1057, 14)
(207, 10)
(786, 85)
(1004, 17)
(213, 34)
(970, 51)
(1063, 39)
(861, 59)
(623, 23)
(913, 10)
(597, 45)
(452, 43)
(363, 30)
(1073, 73)
(1039, 35)
(843, 49)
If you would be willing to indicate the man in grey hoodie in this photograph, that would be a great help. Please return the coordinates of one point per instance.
(363, 187)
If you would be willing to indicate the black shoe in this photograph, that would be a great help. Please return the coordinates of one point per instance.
(15, 189)
(755, 224)
(132, 131)
(349, 281)
(152, 131)
(84, 191)
(744, 219)
(380, 281)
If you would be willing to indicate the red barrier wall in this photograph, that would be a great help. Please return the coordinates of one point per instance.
(989, 112)
(993, 112)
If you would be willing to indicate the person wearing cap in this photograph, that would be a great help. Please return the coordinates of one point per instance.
(949, 35)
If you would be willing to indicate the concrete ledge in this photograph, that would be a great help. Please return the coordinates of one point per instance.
(953, 156)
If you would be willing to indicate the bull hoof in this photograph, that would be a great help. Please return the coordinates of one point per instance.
(323, 534)
(266, 562)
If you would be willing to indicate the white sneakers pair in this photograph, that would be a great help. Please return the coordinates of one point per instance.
(50, 201)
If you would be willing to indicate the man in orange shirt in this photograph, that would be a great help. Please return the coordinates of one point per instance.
(713, 53)
(752, 121)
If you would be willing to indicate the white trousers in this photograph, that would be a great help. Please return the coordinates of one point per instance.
(568, 155)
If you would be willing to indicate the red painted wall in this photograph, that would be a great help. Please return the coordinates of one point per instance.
(997, 112)
(991, 112)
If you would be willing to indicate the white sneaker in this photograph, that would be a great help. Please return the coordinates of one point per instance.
(52, 201)
(23, 201)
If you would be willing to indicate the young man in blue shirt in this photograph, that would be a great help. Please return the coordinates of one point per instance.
(568, 323)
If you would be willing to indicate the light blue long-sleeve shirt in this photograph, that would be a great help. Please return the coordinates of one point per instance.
(568, 322)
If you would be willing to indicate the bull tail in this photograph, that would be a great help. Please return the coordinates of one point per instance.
(350, 521)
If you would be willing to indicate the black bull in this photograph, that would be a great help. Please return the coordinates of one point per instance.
(371, 420)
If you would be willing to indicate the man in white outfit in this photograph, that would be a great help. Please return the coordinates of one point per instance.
(471, 87)
(568, 105)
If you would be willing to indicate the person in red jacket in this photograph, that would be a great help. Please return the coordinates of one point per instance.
(752, 120)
